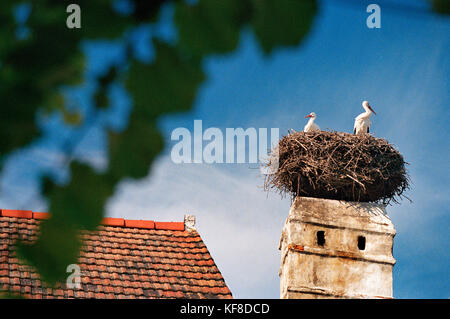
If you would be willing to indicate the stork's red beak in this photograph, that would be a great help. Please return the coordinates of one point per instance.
(309, 115)
(372, 110)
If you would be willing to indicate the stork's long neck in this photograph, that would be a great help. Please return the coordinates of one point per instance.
(311, 120)
(367, 113)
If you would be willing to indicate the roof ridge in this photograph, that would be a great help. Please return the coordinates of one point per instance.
(107, 221)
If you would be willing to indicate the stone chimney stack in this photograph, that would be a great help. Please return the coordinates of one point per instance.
(336, 249)
(189, 222)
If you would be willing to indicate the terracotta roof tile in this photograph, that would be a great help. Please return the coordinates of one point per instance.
(146, 224)
(122, 259)
(41, 215)
(17, 213)
(113, 221)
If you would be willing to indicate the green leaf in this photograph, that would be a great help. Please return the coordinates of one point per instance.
(74, 208)
(104, 81)
(147, 10)
(17, 116)
(101, 99)
(73, 118)
(10, 295)
(32, 71)
(167, 85)
(80, 203)
(279, 23)
(441, 6)
(56, 102)
(132, 152)
(100, 20)
(210, 26)
(57, 247)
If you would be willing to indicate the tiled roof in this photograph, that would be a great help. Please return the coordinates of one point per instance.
(122, 259)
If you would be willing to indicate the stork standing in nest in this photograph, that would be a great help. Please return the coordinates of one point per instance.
(311, 126)
(362, 121)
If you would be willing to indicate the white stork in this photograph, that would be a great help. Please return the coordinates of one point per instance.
(362, 121)
(311, 126)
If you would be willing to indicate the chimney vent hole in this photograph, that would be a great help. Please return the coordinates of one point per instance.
(361, 242)
(321, 238)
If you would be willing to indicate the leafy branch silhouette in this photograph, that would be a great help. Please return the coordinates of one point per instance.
(34, 68)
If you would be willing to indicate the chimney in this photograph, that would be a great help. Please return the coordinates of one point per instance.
(189, 222)
(336, 249)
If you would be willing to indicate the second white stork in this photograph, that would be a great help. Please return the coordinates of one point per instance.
(311, 126)
(362, 121)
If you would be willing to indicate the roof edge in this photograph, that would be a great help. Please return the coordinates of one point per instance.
(107, 221)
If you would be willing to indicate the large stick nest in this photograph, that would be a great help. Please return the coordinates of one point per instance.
(338, 166)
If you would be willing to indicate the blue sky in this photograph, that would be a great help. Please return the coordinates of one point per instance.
(402, 69)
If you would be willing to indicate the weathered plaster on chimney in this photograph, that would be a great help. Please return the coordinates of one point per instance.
(338, 268)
